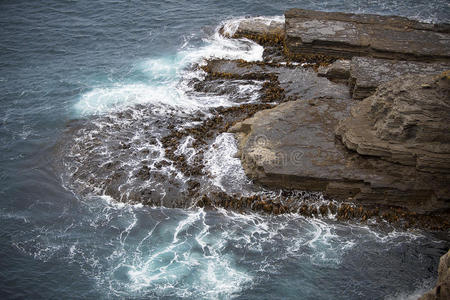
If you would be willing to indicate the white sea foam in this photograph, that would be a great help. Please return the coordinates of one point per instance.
(226, 169)
(184, 254)
(168, 78)
(231, 26)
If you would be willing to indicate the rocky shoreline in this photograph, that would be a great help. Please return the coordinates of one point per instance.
(298, 131)
(390, 150)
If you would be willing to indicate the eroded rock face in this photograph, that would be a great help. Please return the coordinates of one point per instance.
(347, 35)
(293, 146)
(442, 289)
(367, 73)
(406, 121)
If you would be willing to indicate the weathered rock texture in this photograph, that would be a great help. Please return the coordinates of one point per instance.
(406, 121)
(296, 82)
(366, 73)
(347, 35)
(442, 289)
(337, 71)
(258, 26)
(293, 146)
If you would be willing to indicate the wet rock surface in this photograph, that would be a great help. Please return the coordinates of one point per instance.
(347, 35)
(406, 121)
(442, 289)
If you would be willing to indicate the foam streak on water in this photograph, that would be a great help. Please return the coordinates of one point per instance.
(207, 254)
(167, 80)
(126, 70)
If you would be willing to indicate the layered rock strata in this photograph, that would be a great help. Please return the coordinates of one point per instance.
(294, 146)
(346, 35)
(365, 74)
(406, 121)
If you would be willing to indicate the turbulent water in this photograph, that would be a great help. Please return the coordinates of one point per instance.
(90, 87)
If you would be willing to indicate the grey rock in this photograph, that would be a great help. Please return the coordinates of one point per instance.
(297, 82)
(338, 71)
(293, 146)
(305, 84)
(406, 121)
(260, 26)
(347, 35)
(367, 73)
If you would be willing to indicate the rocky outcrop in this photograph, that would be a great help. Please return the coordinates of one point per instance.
(400, 155)
(406, 121)
(378, 48)
(258, 27)
(294, 80)
(338, 71)
(346, 35)
(293, 146)
(442, 289)
(366, 73)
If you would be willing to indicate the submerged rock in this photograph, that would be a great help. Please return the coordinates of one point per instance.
(442, 289)
(406, 121)
(347, 35)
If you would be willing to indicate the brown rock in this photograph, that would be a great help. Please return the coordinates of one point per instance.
(338, 71)
(260, 26)
(347, 35)
(367, 73)
(293, 146)
(404, 122)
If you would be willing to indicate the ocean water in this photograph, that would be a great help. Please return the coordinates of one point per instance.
(77, 78)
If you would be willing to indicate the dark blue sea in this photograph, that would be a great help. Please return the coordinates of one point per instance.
(69, 73)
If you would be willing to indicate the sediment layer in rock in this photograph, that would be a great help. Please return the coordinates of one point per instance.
(347, 35)
(293, 146)
(406, 121)
(365, 74)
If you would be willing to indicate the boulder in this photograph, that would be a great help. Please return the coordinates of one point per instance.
(338, 71)
(406, 121)
(258, 26)
(442, 289)
(293, 146)
(346, 35)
